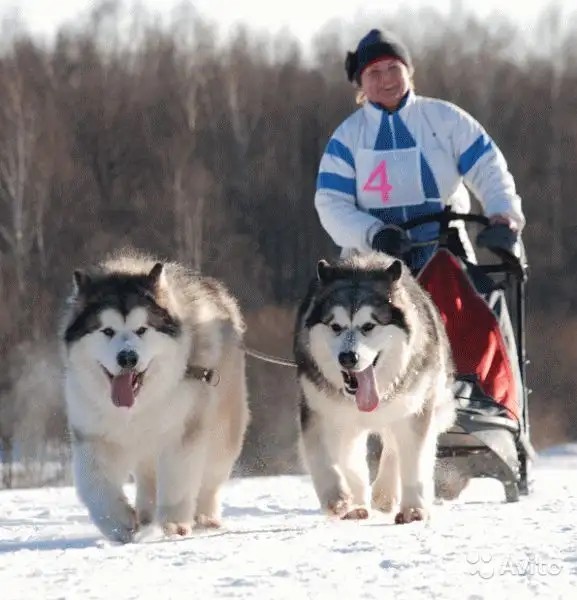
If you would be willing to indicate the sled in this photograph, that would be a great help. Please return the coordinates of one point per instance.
(483, 307)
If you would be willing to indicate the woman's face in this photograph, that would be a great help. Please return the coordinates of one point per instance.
(385, 82)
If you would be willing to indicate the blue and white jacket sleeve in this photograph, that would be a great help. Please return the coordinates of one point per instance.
(483, 168)
(336, 198)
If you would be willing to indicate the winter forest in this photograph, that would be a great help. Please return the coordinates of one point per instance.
(168, 140)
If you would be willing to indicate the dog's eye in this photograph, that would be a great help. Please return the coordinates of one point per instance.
(108, 332)
(367, 327)
(336, 328)
(140, 331)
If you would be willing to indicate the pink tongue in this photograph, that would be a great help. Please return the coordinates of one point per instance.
(122, 394)
(367, 395)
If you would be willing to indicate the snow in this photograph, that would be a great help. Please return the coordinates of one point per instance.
(277, 544)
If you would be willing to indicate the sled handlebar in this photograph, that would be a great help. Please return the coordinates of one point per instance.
(504, 243)
(444, 218)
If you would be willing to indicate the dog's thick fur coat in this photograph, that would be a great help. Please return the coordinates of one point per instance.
(372, 357)
(155, 388)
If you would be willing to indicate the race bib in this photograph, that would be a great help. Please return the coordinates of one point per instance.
(388, 178)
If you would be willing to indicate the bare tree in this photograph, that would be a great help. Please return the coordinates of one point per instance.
(207, 152)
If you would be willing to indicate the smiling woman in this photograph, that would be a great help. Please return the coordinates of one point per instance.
(402, 156)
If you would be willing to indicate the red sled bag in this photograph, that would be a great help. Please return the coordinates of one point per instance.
(473, 329)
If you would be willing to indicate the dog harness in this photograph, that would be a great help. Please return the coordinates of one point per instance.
(209, 376)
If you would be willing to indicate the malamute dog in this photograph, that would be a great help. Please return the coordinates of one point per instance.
(372, 357)
(155, 387)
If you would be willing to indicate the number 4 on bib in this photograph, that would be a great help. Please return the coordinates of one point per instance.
(378, 182)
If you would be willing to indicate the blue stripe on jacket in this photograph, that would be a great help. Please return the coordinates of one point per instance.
(337, 183)
(473, 153)
(429, 184)
(339, 150)
(403, 137)
(384, 139)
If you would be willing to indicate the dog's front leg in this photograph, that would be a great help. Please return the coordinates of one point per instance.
(179, 474)
(322, 451)
(145, 476)
(386, 486)
(416, 442)
(99, 474)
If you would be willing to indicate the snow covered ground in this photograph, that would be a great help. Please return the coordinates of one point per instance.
(276, 545)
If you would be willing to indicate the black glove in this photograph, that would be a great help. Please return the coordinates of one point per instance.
(391, 240)
(505, 243)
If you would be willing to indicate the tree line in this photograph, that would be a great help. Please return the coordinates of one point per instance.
(165, 139)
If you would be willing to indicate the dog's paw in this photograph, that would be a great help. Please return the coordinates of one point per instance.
(144, 518)
(410, 514)
(119, 525)
(207, 522)
(182, 529)
(384, 503)
(358, 513)
(339, 506)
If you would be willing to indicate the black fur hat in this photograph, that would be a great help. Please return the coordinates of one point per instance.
(373, 46)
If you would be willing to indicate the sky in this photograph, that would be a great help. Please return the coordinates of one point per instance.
(304, 18)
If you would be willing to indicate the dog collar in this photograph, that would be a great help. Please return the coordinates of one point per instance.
(210, 376)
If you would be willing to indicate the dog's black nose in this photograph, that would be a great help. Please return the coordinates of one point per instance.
(127, 359)
(348, 359)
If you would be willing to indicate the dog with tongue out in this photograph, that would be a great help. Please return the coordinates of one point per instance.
(155, 391)
(372, 357)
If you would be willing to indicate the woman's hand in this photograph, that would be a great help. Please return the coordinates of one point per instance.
(392, 240)
(503, 219)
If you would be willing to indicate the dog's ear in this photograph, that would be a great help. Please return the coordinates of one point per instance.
(388, 275)
(395, 271)
(81, 282)
(155, 275)
(324, 271)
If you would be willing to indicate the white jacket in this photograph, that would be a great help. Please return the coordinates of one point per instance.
(352, 197)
